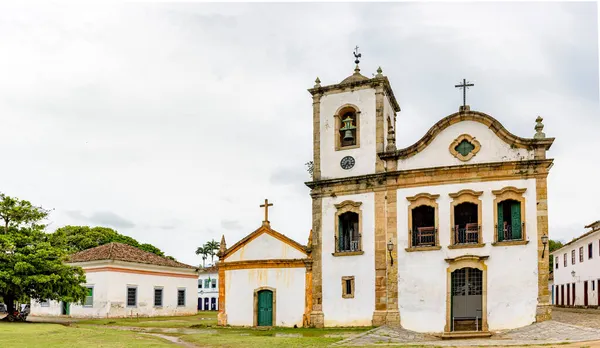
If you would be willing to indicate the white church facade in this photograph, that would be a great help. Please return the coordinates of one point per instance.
(444, 236)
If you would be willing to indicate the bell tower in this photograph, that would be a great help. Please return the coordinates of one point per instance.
(353, 121)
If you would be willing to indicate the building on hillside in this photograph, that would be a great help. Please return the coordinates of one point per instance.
(427, 237)
(264, 280)
(124, 281)
(208, 288)
(577, 270)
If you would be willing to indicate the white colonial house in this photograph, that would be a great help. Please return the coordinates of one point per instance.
(124, 281)
(208, 288)
(577, 270)
(444, 236)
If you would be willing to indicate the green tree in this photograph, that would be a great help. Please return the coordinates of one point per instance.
(77, 238)
(31, 267)
(202, 251)
(212, 247)
(552, 246)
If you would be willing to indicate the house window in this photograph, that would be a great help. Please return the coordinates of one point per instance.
(200, 284)
(158, 297)
(131, 296)
(423, 221)
(214, 284)
(509, 213)
(572, 257)
(465, 218)
(556, 262)
(206, 283)
(509, 220)
(348, 287)
(347, 128)
(180, 297)
(89, 297)
(348, 227)
(213, 304)
(580, 254)
(45, 303)
(593, 285)
(590, 251)
(565, 260)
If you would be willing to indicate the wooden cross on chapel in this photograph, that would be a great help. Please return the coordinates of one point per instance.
(266, 206)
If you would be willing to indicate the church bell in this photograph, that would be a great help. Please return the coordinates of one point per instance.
(347, 129)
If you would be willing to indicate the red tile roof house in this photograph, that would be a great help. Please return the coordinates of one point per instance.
(124, 281)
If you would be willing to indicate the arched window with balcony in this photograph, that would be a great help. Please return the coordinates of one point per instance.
(465, 219)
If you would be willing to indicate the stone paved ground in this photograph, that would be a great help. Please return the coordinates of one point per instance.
(567, 326)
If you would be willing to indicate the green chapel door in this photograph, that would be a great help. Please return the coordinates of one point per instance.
(265, 308)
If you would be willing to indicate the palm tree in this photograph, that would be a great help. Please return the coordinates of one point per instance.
(204, 252)
(212, 247)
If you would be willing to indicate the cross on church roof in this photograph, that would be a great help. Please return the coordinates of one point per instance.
(465, 85)
(266, 206)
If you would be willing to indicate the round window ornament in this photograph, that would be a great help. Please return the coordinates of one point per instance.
(347, 162)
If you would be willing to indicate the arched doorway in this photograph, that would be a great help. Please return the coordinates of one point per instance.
(466, 300)
(264, 306)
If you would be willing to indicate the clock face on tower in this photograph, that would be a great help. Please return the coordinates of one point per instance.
(347, 162)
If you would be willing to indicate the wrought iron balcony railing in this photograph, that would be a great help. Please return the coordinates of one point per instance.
(467, 234)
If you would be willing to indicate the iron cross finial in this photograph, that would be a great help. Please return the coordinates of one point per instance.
(356, 55)
(465, 85)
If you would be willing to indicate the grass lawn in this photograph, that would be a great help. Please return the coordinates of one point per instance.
(33, 335)
(200, 330)
(203, 319)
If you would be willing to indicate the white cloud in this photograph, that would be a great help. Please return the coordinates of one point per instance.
(194, 113)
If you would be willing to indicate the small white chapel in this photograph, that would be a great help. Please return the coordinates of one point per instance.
(446, 236)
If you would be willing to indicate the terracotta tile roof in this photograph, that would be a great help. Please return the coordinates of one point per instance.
(209, 269)
(124, 252)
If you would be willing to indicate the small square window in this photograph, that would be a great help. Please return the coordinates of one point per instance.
(348, 287)
(590, 250)
(200, 284)
(572, 257)
(565, 260)
(580, 254)
(214, 284)
(131, 296)
(181, 297)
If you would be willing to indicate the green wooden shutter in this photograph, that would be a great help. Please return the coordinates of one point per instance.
(500, 222)
(515, 218)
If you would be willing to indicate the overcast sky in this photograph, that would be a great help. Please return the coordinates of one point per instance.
(173, 122)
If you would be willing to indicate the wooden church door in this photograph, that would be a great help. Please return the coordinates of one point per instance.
(265, 308)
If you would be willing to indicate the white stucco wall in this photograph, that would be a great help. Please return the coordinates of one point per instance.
(511, 295)
(437, 153)
(364, 156)
(357, 311)
(289, 284)
(110, 293)
(588, 270)
(209, 292)
(265, 247)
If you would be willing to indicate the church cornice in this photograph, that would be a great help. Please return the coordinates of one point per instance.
(432, 176)
(361, 84)
(489, 121)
